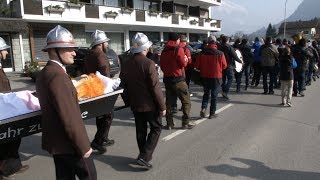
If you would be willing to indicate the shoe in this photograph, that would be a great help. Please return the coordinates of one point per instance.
(188, 126)
(174, 110)
(213, 115)
(295, 94)
(144, 163)
(314, 78)
(246, 88)
(289, 104)
(302, 94)
(203, 113)
(271, 92)
(265, 93)
(7, 177)
(23, 169)
(238, 90)
(108, 142)
(100, 148)
(168, 127)
(282, 104)
(225, 95)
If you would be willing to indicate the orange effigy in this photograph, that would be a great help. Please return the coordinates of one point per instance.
(90, 86)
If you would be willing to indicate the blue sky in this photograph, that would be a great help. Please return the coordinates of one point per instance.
(250, 15)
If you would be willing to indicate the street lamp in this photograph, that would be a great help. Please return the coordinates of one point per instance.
(285, 19)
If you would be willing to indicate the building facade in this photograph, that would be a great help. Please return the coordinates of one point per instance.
(310, 29)
(120, 19)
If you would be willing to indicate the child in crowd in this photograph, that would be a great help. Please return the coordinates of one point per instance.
(287, 64)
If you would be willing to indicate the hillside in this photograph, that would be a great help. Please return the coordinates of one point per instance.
(307, 10)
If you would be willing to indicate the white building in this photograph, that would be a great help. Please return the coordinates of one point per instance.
(120, 19)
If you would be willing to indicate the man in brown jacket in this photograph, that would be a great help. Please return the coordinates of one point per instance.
(63, 131)
(97, 60)
(10, 162)
(142, 92)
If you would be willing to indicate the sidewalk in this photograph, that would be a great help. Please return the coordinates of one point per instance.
(19, 82)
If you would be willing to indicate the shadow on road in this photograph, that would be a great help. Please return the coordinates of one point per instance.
(258, 170)
(120, 163)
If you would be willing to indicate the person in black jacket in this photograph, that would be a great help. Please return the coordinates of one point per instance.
(301, 56)
(286, 76)
(247, 55)
(228, 73)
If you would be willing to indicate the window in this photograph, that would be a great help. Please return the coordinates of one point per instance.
(116, 41)
(152, 36)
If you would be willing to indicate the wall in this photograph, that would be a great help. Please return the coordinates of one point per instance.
(16, 49)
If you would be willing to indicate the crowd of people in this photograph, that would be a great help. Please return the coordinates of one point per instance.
(63, 131)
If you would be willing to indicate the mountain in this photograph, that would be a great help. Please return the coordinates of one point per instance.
(307, 10)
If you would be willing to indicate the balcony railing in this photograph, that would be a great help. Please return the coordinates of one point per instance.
(89, 13)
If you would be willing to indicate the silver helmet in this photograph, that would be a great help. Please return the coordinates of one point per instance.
(140, 42)
(98, 37)
(3, 44)
(59, 37)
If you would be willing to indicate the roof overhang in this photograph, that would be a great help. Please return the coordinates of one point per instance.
(13, 25)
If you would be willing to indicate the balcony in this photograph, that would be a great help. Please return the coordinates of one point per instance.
(211, 2)
(92, 14)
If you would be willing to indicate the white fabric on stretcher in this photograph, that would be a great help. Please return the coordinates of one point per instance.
(17, 103)
(110, 84)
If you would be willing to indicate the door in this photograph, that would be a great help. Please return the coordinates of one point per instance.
(7, 64)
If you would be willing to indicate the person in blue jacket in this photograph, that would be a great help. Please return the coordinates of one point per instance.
(257, 62)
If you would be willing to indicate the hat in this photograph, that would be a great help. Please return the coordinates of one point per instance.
(140, 42)
(98, 37)
(183, 38)
(59, 37)
(173, 36)
(212, 39)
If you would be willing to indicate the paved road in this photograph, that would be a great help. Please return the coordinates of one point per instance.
(253, 138)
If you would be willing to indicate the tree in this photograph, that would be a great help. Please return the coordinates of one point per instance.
(271, 31)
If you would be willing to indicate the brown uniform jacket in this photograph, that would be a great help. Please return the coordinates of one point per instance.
(4, 81)
(141, 84)
(63, 130)
(97, 60)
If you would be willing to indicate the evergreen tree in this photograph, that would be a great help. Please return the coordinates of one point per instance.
(271, 31)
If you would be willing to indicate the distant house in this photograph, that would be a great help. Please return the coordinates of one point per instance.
(310, 29)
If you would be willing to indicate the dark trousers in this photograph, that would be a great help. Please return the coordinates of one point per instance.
(210, 87)
(180, 90)
(147, 142)
(70, 165)
(256, 73)
(268, 70)
(103, 126)
(227, 78)
(299, 81)
(188, 73)
(9, 157)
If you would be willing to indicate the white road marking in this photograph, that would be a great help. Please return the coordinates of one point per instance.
(176, 133)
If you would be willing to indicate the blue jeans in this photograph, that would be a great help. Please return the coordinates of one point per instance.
(299, 81)
(210, 87)
(246, 70)
(227, 78)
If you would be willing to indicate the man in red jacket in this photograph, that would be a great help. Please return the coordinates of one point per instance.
(172, 62)
(211, 62)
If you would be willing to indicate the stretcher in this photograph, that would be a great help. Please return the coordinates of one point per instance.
(30, 123)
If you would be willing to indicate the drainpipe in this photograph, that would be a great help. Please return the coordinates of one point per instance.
(161, 36)
(21, 50)
(22, 8)
(126, 40)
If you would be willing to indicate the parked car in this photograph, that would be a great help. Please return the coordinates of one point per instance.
(77, 68)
